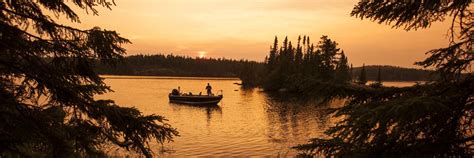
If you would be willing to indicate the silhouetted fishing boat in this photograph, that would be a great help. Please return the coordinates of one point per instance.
(176, 97)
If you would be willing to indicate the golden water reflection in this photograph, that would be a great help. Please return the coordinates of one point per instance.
(247, 122)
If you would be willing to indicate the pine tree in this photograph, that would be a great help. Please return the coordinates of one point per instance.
(314, 60)
(351, 74)
(274, 79)
(342, 69)
(308, 41)
(273, 55)
(291, 52)
(288, 62)
(304, 43)
(47, 86)
(285, 44)
(363, 76)
(327, 55)
(299, 55)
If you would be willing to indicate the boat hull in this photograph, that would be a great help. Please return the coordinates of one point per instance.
(195, 99)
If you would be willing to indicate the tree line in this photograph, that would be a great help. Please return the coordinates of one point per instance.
(394, 73)
(175, 65)
(248, 71)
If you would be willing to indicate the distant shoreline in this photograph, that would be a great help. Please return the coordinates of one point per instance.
(165, 77)
(182, 66)
(106, 76)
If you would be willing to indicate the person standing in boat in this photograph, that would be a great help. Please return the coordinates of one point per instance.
(209, 89)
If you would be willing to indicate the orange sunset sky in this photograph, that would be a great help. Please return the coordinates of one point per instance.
(244, 29)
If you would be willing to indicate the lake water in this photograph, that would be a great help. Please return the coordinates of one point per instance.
(247, 122)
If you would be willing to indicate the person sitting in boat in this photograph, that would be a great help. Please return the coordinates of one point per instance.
(175, 92)
(209, 89)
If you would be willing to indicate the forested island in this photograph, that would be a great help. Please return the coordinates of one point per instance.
(296, 67)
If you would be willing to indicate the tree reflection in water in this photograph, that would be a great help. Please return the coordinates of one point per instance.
(292, 118)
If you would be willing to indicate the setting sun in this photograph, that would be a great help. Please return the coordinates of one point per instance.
(202, 54)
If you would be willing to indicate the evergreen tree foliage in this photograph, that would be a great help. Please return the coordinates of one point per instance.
(351, 73)
(395, 73)
(362, 77)
(428, 120)
(327, 56)
(273, 54)
(47, 86)
(294, 67)
(298, 56)
(342, 69)
(249, 75)
(379, 76)
(378, 81)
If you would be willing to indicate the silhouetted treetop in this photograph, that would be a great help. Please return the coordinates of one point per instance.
(410, 14)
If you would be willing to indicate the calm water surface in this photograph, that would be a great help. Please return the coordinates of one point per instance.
(247, 122)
